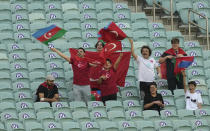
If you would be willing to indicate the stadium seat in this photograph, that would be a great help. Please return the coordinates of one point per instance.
(182, 125)
(80, 116)
(200, 124)
(92, 126)
(163, 125)
(130, 93)
(14, 125)
(45, 116)
(132, 105)
(112, 105)
(96, 105)
(151, 115)
(145, 125)
(105, 6)
(42, 106)
(78, 106)
(6, 96)
(2, 127)
(168, 114)
(27, 115)
(108, 126)
(98, 115)
(134, 115)
(5, 86)
(52, 125)
(115, 115)
(62, 116)
(61, 106)
(22, 106)
(7, 106)
(37, 76)
(185, 114)
(87, 7)
(51, 6)
(33, 125)
(73, 126)
(127, 126)
(9, 116)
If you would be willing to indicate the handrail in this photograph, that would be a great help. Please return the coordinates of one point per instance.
(191, 22)
(170, 11)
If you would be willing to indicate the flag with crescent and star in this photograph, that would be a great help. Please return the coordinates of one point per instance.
(48, 34)
(111, 33)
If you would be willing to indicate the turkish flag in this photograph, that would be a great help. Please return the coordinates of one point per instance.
(94, 57)
(111, 33)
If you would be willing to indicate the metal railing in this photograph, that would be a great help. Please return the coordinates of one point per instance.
(155, 4)
(191, 22)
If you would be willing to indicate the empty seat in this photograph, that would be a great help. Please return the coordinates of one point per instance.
(185, 114)
(127, 126)
(90, 126)
(98, 115)
(145, 125)
(33, 125)
(134, 115)
(52, 125)
(81, 116)
(116, 115)
(62, 115)
(68, 125)
(108, 125)
(14, 125)
(114, 105)
(151, 114)
(169, 114)
(78, 106)
(163, 125)
(27, 115)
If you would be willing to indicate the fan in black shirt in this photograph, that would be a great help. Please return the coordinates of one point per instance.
(154, 101)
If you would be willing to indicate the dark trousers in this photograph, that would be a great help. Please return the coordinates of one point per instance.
(174, 82)
(109, 97)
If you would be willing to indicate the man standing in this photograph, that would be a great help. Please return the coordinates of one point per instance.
(47, 91)
(146, 68)
(80, 66)
(169, 57)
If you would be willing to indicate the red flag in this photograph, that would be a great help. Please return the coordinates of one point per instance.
(94, 57)
(111, 33)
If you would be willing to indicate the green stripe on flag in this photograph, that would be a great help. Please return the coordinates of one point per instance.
(59, 34)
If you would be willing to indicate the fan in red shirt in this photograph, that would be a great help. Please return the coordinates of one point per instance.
(107, 80)
(80, 66)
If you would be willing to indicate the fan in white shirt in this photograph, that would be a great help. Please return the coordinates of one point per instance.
(146, 68)
(193, 99)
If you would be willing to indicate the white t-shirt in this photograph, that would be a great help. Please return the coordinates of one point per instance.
(146, 69)
(192, 100)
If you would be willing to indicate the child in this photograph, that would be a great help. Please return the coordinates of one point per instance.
(193, 99)
(107, 80)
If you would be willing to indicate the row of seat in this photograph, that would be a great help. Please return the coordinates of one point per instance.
(196, 125)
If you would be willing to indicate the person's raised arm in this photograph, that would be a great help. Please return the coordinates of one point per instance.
(61, 54)
(118, 61)
(132, 49)
(184, 81)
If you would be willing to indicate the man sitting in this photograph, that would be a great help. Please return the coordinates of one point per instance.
(47, 91)
(154, 101)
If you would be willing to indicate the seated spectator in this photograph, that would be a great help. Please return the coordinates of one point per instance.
(193, 99)
(154, 101)
(107, 80)
(47, 91)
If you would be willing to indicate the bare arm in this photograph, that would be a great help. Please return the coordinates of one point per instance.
(61, 54)
(132, 49)
(117, 61)
(101, 79)
(199, 105)
(146, 106)
(184, 81)
(54, 99)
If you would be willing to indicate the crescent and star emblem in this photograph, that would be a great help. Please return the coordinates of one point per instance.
(115, 32)
(47, 35)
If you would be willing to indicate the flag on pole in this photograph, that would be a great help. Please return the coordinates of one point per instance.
(48, 34)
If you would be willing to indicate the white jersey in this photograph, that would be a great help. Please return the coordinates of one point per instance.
(146, 69)
(192, 100)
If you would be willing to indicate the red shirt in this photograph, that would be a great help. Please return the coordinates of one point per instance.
(80, 71)
(94, 76)
(108, 86)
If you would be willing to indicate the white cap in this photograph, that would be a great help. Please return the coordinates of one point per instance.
(50, 77)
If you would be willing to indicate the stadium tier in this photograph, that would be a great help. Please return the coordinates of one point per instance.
(24, 63)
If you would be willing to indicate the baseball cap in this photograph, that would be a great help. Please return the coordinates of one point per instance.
(50, 77)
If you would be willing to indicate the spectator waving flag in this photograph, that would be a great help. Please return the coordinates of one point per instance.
(94, 57)
(182, 63)
(48, 34)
